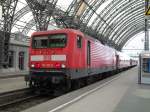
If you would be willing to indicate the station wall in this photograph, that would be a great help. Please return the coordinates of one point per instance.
(18, 57)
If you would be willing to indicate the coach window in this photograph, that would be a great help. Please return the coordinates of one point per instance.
(79, 41)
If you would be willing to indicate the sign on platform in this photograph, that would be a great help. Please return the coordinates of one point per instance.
(147, 12)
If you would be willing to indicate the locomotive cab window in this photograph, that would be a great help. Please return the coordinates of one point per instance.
(57, 40)
(49, 41)
(40, 42)
(79, 41)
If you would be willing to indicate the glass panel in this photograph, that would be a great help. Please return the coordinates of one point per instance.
(146, 65)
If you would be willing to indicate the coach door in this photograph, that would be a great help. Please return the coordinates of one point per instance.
(88, 54)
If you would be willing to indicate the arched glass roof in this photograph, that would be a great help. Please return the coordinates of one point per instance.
(115, 20)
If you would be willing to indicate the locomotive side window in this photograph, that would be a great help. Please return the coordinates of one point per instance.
(79, 41)
(57, 40)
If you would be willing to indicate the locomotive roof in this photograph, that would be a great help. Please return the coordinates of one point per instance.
(57, 31)
(66, 30)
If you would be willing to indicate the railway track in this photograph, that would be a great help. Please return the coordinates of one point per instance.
(16, 101)
(14, 97)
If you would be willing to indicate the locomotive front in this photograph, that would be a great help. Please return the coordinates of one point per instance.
(48, 60)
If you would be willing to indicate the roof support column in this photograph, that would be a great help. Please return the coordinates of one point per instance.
(42, 10)
(8, 10)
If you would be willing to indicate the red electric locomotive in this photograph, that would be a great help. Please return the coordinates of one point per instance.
(59, 57)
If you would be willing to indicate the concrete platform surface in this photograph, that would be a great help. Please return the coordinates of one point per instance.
(10, 74)
(122, 94)
(10, 84)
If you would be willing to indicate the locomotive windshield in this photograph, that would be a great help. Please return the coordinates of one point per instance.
(58, 40)
(50, 41)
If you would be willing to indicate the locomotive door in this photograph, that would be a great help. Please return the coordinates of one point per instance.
(88, 56)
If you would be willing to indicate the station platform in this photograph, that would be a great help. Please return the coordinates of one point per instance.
(120, 93)
(11, 84)
(13, 74)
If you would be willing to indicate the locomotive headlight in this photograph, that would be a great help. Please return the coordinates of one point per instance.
(32, 65)
(63, 66)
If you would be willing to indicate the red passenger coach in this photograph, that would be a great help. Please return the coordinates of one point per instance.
(59, 57)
